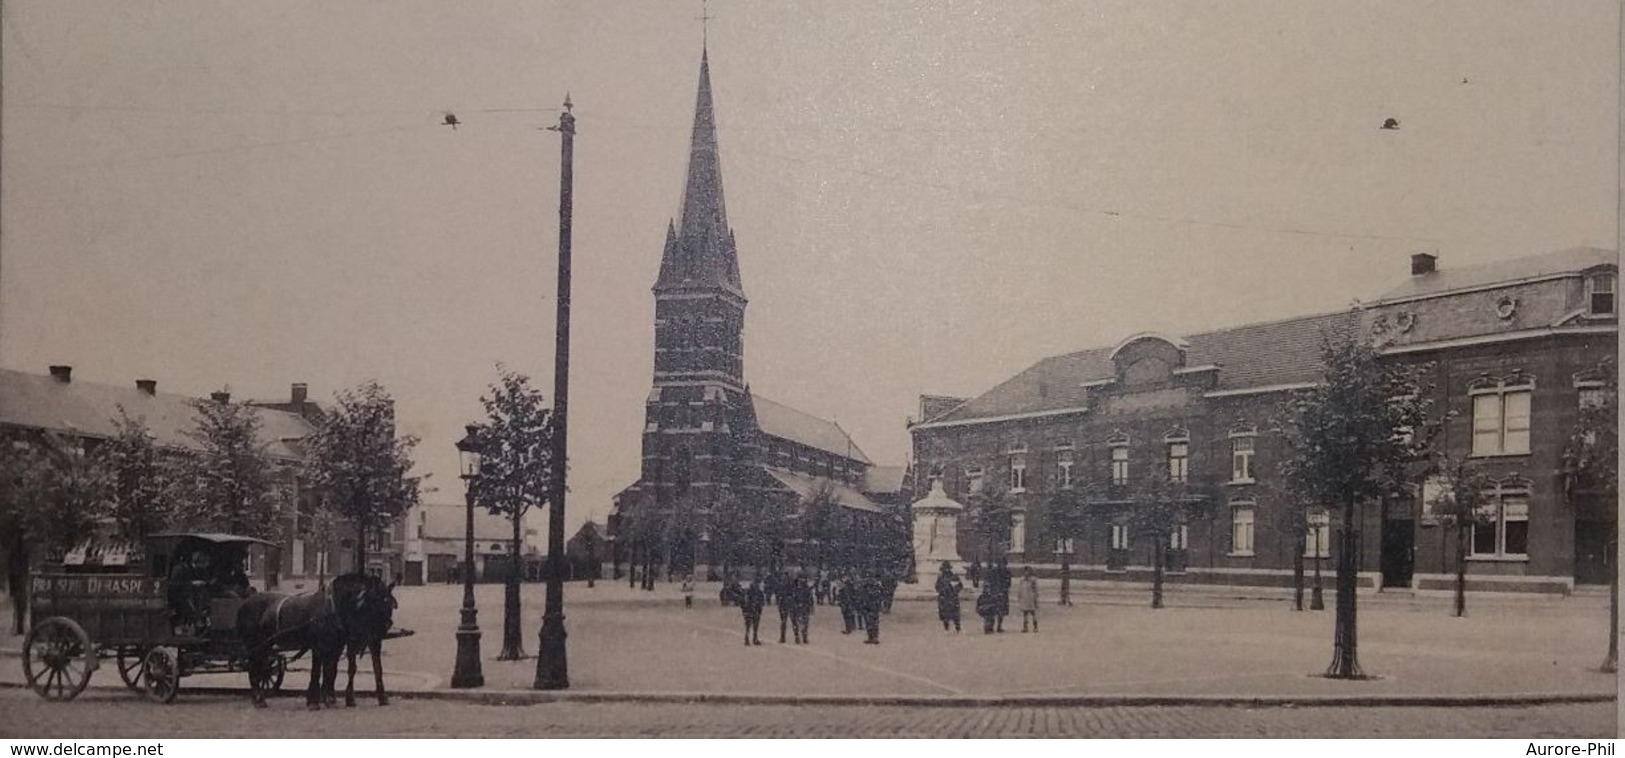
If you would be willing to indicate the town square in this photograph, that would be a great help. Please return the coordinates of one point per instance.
(1148, 370)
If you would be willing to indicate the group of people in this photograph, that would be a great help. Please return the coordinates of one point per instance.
(861, 599)
(993, 604)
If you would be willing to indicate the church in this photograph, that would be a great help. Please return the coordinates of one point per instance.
(731, 480)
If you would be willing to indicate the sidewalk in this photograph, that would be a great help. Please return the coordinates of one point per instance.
(1109, 648)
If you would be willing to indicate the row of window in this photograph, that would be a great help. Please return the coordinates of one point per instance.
(1178, 460)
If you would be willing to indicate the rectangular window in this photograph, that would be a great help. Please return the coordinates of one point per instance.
(1119, 466)
(1241, 530)
(1063, 468)
(1180, 537)
(1593, 396)
(1063, 546)
(1178, 461)
(1018, 473)
(1317, 538)
(1502, 530)
(1501, 422)
(1119, 536)
(973, 480)
(1601, 298)
(1241, 459)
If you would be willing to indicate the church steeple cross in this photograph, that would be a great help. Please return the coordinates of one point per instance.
(705, 24)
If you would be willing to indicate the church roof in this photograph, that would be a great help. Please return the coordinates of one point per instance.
(784, 422)
(81, 408)
(1444, 280)
(700, 252)
(1270, 353)
(806, 486)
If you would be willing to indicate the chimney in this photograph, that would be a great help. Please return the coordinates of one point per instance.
(300, 392)
(220, 397)
(63, 374)
(1423, 263)
(148, 386)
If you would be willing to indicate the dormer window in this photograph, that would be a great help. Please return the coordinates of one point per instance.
(1600, 295)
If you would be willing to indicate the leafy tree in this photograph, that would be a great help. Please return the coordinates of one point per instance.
(229, 483)
(1591, 463)
(359, 467)
(1064, 519)
(141, 474)
(516, 474)
(1152, 507)
(990, 516)
(1460, 504)
(1350, 441)
(51, 495)
(820, 523)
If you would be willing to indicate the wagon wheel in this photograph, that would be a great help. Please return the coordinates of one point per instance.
(130, 661)
(160, 675)
(58, 658)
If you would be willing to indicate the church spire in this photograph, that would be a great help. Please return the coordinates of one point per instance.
(704, 255)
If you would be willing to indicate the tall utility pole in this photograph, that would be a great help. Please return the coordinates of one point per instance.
(552, 667)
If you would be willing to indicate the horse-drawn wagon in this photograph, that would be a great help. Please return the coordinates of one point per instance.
(163, 614)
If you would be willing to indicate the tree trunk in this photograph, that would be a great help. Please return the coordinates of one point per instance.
(1345, 661)
(1611, 663)
(1158, 553)
(513, 643)
(1300, 544)
(360, 545)
(1461, 569)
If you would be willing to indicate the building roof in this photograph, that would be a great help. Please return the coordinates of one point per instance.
(83, 408)
(806, 486)
(450, 522)
(782, 421)
(883, 480)
(1254, 355)
(1447, 279)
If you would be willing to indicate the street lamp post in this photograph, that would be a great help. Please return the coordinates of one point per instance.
(552, 667)
(467, 672)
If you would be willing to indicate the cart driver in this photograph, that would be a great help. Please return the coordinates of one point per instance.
(233, 581)
(188, 593)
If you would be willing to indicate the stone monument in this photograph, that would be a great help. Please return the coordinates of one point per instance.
(936, 531)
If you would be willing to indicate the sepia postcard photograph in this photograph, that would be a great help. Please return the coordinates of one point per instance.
(708, 369)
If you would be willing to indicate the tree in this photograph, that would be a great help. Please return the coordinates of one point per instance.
(990, 518)
(229, 483)
(141, 499)
(51, 495)
(1064, 520)
(359, 466)
(1591, 463)
(1459, 503)
(1151, 507)
(1350, 440)
(516, 474)
(820, 522)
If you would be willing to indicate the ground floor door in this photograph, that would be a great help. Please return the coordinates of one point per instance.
(1398, 552)
(1593, 551)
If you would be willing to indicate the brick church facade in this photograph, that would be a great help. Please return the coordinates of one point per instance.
(726, 473)
(1513, 348)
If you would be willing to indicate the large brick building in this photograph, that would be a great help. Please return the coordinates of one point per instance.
(711, 448)
(1512, 345)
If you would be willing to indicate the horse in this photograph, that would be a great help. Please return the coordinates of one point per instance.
(269, 622)
(366, 611)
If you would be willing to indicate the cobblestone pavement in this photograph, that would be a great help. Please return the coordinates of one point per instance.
(102, 715)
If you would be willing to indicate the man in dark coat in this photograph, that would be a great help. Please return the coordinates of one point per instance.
(948, 588)
(987, 606)
(750, 606)
(871, 596)
(843, 599)
(800, 600)
(975, 573)
(999, 577)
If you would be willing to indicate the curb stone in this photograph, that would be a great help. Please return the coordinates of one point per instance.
(536, 697)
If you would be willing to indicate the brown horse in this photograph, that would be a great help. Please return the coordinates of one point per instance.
(366, 610)
(273, 622)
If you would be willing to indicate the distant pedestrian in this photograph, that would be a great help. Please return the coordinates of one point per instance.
(871, 596)
(987, 606)
(948, 588)
(1027, 598)
(800, 599)
(842, 587)
(688, 591)
(750, 606)
(1066, 584)
(998, 580)
(823, 594)
(975, 573)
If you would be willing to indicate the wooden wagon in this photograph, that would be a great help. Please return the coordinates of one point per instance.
(158, 616)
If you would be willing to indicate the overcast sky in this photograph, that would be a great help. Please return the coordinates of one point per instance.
(928, 196)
